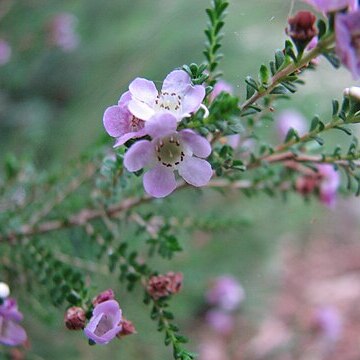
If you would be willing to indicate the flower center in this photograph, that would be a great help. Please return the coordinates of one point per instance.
(136, 124)
(104, 325)
(168, 101)
(169, 151)
(355, 42)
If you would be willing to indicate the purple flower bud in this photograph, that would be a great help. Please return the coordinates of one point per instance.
(75, 318)
(220, 321)
(103, 296)
(169, 151)
(5, 52)
(105, 323)
(62, 32)
(329, 184)
(328, 321)
(11, 333)
(220, 86)
(225, 293)
(290, 119)
(347, 32)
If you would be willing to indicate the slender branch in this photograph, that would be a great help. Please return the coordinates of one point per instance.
(288, 70)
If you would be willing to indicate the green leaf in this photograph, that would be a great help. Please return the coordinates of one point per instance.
(279, 59)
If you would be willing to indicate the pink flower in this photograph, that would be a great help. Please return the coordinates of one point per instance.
(120, 123)
(169, 151)
(5, 52)
(177, 96)
(11, 333)
(347, 32)
(329, 184)
(164, 285)
(62, 32)
(326, 6)
(105, 323)
(225, 293)
(103, 296)
(288, 119)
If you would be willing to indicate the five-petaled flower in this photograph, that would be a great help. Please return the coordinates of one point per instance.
(105, 322)
(11, 333)
(169, 150)
(347, 32)
(178, 96)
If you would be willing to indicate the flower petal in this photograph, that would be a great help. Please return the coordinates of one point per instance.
(139, 155)
(193, 98)
(177, 81)
(159, 181)
(11, 333)
(116, 120)
(140, 109)
(161, 124)
(130, 135)
(143, 90)
(124, 99)
(197, 144)
(195, 171)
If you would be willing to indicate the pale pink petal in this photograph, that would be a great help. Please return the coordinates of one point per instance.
(139, 155)
(177, 81)
(159, 181)
(124, 138)
(195, 171)
(140, 109)
(161, 124)
(143, 90)
(193, 98)
(116, 120)
(197, 144)
(125, 99)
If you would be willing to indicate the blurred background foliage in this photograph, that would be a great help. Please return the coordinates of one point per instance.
(51, 107)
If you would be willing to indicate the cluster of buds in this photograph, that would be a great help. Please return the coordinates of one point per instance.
(161, 286)
(106, 322)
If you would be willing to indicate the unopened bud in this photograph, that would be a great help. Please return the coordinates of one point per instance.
(103, 296)
(164, 285)
(353, 92)
(128, 328)
(302, 29)
(4, 290)
(75, 318)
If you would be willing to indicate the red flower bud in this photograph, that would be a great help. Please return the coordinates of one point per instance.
(103, 296)
(128, 328)
(164, 285)
(75, 318)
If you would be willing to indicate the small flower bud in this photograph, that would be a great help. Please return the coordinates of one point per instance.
(128, 328)
(103, 296)
(305, 185)
(75, 318)
(353, 92)
(4, 290)
(302, 29)
(164, 285)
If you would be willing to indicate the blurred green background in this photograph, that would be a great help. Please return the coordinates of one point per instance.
(51, 107)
